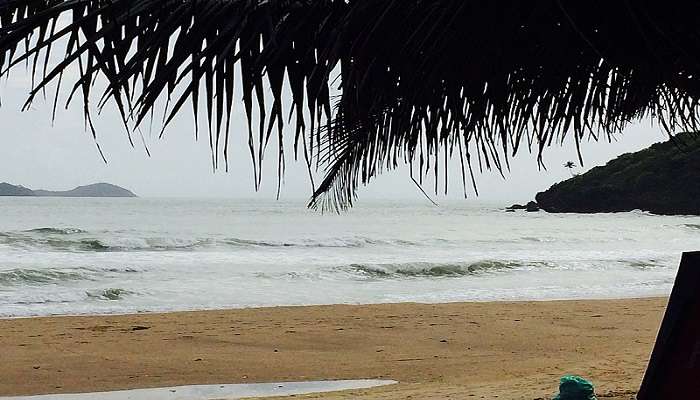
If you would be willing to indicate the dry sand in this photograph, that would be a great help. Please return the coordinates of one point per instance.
(437, 351)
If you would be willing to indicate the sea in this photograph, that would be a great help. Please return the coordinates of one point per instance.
(114, 256)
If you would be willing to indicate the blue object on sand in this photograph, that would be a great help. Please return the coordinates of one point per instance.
(573, 387)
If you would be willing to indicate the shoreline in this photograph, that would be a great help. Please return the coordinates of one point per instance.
(516, 350)
(284, 306)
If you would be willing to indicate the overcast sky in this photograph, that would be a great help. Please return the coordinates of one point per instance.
(36, 154)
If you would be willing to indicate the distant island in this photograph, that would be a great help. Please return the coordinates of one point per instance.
(94, 190)
(663, 179)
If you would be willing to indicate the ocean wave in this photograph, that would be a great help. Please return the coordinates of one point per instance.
(92, 244)
(57, 231)
(20, 276)
(153, 244)
(692, 226)
(353, 242)
(74, 239)
(433, 270)
(87, 244)
(109, 294)
(35, 276)
(401, 270)
(42, 302)
(440, 270)
(644, 264)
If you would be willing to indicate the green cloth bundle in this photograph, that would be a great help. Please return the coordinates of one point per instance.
(575, 388)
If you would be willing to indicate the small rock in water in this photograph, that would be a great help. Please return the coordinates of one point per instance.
(532, 207)
(529, 207)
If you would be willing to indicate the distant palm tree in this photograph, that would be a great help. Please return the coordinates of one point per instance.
(570, 165)
(417, 80)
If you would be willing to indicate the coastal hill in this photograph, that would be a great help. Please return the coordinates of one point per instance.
(663, 179)
(94, 190)
(11, 190)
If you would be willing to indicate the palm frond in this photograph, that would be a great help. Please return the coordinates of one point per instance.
(420, 80)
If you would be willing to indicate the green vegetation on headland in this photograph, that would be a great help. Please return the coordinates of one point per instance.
(663, 179)
(94, 190)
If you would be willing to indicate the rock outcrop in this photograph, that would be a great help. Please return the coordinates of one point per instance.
(529, 207)
(663, 179)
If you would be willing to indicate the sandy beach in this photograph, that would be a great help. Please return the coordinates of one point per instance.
(436, 351)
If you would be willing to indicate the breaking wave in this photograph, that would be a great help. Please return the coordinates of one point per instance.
(56, 231)
(79, 241)
(330, 242)
(110, 294)
(403, 270)
(430, 270)
(32, 276)
(439, 270)
(74, 239)
(37, 276)
(645, 264)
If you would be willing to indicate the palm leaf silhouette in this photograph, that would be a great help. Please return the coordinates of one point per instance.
(419, 80)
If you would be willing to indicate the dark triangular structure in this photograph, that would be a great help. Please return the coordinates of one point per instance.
(674, 368)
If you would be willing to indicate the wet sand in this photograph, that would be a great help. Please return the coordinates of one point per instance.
(436, 351)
